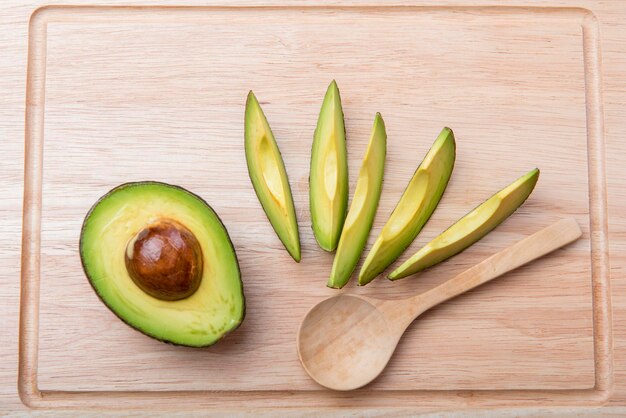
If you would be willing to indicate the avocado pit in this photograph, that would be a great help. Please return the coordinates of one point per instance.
(165, 260)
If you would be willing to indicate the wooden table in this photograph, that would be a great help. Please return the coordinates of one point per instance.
(605, 123)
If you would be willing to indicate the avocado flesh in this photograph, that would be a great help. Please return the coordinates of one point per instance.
(216, 308)
(470, 228)
(362, 209)
(328, 181)
(414, 208)
(269, 177)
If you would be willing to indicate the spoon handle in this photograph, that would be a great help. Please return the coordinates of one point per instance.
(530, 248)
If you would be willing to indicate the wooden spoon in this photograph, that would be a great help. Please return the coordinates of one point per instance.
(345, 341)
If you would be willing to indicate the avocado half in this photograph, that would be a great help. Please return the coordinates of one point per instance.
(159, 257)
(363, 207)
(269, 177)
(416, 205)
(328, 178)
(470, 228)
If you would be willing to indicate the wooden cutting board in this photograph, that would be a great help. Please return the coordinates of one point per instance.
(119, 94)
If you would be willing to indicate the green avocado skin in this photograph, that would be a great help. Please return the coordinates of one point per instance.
(126, 210)
(470, 228)
(328, 178)
(363, 207)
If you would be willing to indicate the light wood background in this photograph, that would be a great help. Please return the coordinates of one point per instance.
(133, 95)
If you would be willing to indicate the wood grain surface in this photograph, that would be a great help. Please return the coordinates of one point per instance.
(123, 94)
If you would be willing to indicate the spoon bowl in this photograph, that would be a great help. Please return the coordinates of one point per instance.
(346, 341)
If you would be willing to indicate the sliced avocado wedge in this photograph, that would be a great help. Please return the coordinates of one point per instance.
(160, 258)
(415, 207)
(328, 181)
(269, 177)
(363, 207)
(470, 228)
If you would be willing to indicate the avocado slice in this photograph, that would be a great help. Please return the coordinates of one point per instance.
(363, 207)
(418, 202)
(160, 258)
(328, 181)
(269, 177)
(470, 228)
